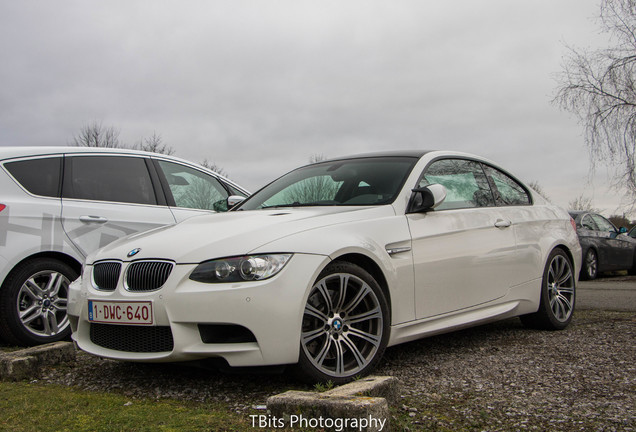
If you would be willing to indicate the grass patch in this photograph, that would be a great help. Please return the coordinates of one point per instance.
(35, 407)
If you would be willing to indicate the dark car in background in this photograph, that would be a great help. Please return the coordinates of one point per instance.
(605, 248)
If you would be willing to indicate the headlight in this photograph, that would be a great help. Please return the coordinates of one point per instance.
(238, 269)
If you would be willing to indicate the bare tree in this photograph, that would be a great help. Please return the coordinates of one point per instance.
(582, 203)
(316, 157)
(538, 189)
(154, 144)
(212, 166)
(598, 87)
(620, 221)
(96, 135)
(314, 189)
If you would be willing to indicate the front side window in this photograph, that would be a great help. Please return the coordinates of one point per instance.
(508, 191)
(349, 182)
(603, 224)
(464, 180)
(38, 176)
(108, 178)
(194, 189)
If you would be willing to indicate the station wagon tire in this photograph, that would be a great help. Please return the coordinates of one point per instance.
(558, 289)
(590, 265)
(33, 302)
(345, 326)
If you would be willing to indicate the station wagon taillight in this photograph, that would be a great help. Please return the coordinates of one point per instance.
(2, 207)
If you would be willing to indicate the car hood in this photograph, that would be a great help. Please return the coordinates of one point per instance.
(235, 233)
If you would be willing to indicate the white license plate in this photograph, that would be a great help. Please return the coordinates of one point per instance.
(131, 312)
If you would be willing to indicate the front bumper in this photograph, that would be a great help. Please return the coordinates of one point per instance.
(271, 310)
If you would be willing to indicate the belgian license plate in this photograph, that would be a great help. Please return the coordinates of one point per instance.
(113, 312)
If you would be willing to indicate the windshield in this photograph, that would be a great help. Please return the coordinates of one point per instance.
(353, 182)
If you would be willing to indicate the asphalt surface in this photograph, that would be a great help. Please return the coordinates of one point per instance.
(611, 293)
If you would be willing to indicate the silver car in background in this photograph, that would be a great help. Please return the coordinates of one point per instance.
(58, 204)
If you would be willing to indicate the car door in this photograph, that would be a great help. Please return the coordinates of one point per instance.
(105, 197)
(619, 247)
(190, 191)
(463, 251)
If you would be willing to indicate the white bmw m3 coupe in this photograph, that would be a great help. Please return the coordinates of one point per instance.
(325, 267)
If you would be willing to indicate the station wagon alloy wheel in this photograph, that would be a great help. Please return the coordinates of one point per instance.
(35, 300)
(344, 320)
(42, 303)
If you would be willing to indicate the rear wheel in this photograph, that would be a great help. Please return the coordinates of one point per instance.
(345, 326)
(33, 302)
(557, 294)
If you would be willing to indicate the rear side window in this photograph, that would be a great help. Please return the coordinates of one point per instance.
(38, 176)
(588, 223)
(507, 190)
(108, 178)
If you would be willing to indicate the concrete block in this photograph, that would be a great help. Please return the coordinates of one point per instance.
(386, 387)
(27, 363)
(358, 406)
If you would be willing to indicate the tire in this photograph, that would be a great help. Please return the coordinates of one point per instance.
(632, 271)
(33, 302)
(590, 265)
(558, 289)
(345, 326)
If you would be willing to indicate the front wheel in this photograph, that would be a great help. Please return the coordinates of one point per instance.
(590, 265)
(345, 326)
(557, 294)
(33, 302)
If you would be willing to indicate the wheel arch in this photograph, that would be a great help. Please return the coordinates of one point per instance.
(372, 267)
(66, 259)
(567, 251)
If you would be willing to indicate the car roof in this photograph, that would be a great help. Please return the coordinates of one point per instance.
(394, 153)
(576, 213)
(25, 151)
(12, 152)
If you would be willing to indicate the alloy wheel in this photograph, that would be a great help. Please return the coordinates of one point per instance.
(591, 264)
(42, 303)
(343, 324)
(560, 282)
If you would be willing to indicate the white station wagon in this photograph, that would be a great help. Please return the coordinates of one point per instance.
(330, 264)
(58, 204)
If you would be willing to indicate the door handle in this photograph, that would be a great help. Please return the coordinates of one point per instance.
(500, 223)
(93, 219)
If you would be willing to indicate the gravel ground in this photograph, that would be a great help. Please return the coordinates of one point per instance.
(495, 377)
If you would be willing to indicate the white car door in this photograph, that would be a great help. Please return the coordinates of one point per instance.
(466, 241)
(106, 197)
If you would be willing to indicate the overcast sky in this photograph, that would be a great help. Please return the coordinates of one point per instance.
(259, 86)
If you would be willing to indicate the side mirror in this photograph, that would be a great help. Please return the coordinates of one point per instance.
(426, 198)
(622, 230)
(233, 200)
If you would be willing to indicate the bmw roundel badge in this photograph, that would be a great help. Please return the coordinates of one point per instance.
(133, 252)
